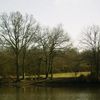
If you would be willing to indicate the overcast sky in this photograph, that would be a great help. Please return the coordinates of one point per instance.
(73, 14)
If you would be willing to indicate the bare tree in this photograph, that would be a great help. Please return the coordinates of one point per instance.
(58, 39)
(91, 41)
(51, 40)
(42, 42)
(17, 31)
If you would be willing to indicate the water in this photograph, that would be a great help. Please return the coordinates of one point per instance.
(43, 93)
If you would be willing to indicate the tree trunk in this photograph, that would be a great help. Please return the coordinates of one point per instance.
(97, 65)
(46, 69)
(51, 67)
(23, 65)
(17, 67)
(51, 72)
(39, 66)
(23, 70)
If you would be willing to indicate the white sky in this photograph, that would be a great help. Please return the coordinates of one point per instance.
(73, 14)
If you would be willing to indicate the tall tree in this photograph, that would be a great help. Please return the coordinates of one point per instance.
(17, 31)
(51, 40)
(91, 41)
(58, 39)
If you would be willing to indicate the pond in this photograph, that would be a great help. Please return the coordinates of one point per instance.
(47, 93)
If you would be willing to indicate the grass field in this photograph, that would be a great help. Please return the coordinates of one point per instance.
(68, 75)
(61, 75)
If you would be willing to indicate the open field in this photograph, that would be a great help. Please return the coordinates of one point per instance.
(68, 75)
(56, 75)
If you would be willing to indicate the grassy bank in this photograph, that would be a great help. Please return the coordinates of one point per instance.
(59, 79)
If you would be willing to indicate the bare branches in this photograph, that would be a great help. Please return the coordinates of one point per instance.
(91, 40)
(49, 40)
(91, 37)
(17, 32)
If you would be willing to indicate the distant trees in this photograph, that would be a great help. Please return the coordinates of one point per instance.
(6, 63)
(16, 31)
(91, 42)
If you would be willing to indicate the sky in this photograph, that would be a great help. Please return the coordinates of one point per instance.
(74, 15)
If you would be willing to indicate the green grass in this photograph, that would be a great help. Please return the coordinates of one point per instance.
(62, 75)
(68, 75)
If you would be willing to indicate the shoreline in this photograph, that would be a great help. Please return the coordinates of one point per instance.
(59, 82)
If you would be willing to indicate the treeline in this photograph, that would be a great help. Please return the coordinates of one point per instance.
(69, 60)
(27, 48)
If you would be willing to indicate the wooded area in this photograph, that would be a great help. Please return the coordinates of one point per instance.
(27, 48)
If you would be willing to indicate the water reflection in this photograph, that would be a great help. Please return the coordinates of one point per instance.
(43, 93)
